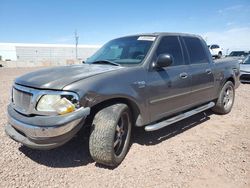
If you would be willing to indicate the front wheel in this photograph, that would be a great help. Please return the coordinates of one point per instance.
(225, 101)
(110, 135)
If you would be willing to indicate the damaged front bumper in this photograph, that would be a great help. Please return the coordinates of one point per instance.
(44, 132)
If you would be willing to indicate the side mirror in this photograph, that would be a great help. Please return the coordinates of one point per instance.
(83, 62)
(163, 60)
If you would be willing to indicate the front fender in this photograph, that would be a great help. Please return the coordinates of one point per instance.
(120, 84)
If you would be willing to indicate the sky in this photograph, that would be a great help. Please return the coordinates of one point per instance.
(224, 22)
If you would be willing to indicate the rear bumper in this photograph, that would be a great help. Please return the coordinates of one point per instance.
(44, 132)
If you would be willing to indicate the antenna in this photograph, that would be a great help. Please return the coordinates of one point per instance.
(76, 42)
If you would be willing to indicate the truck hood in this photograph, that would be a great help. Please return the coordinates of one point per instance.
(59, 77)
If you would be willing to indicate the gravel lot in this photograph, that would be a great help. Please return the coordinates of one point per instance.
(206, 150)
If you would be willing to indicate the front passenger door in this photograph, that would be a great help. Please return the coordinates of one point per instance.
(168, 87)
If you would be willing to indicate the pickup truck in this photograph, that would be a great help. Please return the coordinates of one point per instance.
(147, 80)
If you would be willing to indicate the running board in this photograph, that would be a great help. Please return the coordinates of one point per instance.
(179, 117)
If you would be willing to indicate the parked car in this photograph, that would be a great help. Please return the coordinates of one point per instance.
(215, 50)
(245, 70)
(238, 55)
(147, 80)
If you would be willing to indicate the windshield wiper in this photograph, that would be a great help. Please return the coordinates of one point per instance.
(105, 62)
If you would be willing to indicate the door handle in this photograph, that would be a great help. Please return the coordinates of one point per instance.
(208, 71)
(183, 75)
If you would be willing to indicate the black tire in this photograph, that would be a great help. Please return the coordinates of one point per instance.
(110, 135)
(219, 55)
(225, 101)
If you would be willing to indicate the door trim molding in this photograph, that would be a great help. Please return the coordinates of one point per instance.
(178, 95)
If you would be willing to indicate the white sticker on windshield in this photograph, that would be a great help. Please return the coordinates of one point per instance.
(148, 38)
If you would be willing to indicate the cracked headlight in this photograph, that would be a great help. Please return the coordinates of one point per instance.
(57, 103)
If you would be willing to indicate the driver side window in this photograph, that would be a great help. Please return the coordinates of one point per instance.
(171, 45)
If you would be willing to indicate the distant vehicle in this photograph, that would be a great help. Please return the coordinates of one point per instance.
(245, 70)
(238, 53)
(215, 50)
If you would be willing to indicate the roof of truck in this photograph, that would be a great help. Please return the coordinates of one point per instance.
(165, 34)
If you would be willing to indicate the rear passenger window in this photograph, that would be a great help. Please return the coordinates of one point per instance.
(170, 45)
(196, 51)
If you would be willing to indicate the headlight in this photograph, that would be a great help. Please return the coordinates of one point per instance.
(46, 103)
(57, 103)
(64, 106)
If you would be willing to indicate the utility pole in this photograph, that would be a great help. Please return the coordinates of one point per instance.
(206, 39)
(76, 43)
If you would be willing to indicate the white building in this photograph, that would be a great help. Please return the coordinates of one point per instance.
(44, 52)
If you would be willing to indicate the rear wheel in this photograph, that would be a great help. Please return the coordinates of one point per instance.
(225, 101)
(110, 135)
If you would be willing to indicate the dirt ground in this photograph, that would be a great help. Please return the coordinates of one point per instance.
(206, 150)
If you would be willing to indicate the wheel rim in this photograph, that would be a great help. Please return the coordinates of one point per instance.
(228, 97)
(121, 134)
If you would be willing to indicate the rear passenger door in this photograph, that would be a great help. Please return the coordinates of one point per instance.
(169, 87)
(201, 70)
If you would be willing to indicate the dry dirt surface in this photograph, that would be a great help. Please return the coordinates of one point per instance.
(206, 150)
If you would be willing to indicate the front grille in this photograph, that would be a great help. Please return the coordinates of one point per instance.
(245, 77)
(21, 100)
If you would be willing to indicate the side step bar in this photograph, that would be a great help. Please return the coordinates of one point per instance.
(164, 123)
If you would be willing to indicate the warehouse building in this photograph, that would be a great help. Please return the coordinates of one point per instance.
(35, 53)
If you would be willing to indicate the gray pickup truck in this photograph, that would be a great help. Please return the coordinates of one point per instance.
(147, 80)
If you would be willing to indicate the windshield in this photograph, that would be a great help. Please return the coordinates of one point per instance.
(127, 50)
(247, 60)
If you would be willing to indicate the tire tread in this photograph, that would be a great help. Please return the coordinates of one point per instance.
(102, 134)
